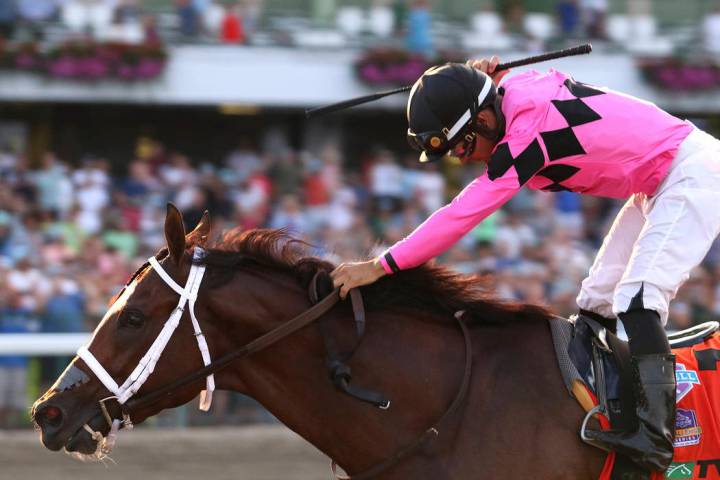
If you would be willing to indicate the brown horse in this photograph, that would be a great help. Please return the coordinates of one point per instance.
(517, 420)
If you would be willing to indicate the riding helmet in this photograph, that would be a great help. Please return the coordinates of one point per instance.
(443, 107)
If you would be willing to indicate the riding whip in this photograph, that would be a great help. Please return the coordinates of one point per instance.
(334, 107)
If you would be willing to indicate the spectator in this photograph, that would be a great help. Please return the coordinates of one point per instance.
(29, 285)
(231, 28)
(128, 11)
(7, 239)
(151, 35)
(189, 18)
(315, 193)
(14, 318)
(400, 11)
(567, 211)
(64, 313)
(290, 215)
(711, 31)
(252, 13)
(53, 185)
(514, 237)
(55, 252)
(386, 182)
(419, 36)
(8, 14)
(286, 173)
(117, 238)
(244, 159)
(36, 11)
(594, 13)
(429, 189)
(568, 17)
(91, 190)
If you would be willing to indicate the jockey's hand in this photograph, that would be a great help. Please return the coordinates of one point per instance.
(356, 274)
(489, 66)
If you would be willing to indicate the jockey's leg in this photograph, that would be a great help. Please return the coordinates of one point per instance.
(596, 294)
(651, 445)
(682, 221)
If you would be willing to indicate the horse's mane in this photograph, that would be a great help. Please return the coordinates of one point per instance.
(428, 289)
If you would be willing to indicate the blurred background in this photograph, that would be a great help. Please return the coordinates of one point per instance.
(111, 108)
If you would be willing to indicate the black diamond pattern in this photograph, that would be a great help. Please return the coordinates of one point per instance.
(526, 164)
(581, 90)
(529, 162)
(576, 112)
(557, 173)
(500, 161)
(561, 143)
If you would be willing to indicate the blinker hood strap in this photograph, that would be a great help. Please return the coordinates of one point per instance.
(70, 378)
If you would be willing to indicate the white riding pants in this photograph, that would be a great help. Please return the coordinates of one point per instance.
(655, 241)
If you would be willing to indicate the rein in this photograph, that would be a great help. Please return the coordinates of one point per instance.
(431, 432)
(260, 343)
(291, 326)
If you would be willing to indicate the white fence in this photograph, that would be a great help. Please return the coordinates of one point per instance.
(38, 344)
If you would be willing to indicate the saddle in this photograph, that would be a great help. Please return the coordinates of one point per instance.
(595, 366)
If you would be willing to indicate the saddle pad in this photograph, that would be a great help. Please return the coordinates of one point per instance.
(697, 425)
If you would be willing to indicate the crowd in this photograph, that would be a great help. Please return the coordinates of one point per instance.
(419, 26)
(131, 21)
(72, 231)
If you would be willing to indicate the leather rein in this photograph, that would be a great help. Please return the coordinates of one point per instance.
(302, 320)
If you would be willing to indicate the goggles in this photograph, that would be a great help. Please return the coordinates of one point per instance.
(436, 145)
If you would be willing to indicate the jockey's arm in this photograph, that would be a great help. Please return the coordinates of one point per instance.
(450, 223)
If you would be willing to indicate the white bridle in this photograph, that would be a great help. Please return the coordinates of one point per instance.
(188, 295)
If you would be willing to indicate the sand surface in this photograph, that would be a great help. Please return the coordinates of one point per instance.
(237, 453)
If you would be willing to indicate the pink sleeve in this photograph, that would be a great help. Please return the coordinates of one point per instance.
(450, 223)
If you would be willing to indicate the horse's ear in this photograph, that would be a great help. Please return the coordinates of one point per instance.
(200, 235)
(174, 233)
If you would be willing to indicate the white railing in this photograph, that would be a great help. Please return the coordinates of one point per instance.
(39, 344)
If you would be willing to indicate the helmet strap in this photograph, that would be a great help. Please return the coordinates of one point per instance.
(497, 133)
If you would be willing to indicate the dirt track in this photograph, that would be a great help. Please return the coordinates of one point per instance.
(241, 453)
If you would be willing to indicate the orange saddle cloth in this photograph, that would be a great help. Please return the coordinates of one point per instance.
(697, 425)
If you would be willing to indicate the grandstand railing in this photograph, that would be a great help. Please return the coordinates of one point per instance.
(42, 344)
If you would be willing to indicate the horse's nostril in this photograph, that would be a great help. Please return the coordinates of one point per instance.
(49, 415)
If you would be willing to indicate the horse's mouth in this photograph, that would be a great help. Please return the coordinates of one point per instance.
(81, 442)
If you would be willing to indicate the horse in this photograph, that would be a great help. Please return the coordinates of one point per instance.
(515, 421)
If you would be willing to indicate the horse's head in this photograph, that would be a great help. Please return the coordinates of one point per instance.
(74, 412)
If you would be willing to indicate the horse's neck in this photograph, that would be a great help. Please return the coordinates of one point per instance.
(291, 381)
(418, 366)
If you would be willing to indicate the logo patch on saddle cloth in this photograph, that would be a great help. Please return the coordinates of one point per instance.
(680, 470)
(685, 380)
(687, 430)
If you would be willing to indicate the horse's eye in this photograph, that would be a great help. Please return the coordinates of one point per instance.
(132, 319)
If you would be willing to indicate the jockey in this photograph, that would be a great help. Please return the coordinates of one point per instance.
(552, 133)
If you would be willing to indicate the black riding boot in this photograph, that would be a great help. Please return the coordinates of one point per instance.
(651, 445)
